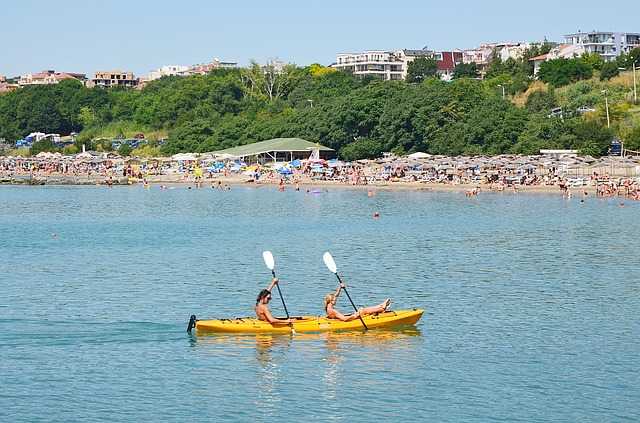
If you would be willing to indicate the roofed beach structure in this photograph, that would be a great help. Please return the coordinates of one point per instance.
(278, 149)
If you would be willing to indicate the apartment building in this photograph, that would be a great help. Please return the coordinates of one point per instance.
(609, 45)
(393, 65)
(114, 78)
(386, 65)
(47, 77)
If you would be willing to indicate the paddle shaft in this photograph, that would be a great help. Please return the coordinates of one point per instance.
(344, 288)
(273, 272)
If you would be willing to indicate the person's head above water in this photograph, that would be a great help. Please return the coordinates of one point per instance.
(265, 293)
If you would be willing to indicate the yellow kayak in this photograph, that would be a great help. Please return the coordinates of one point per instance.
(307, 323)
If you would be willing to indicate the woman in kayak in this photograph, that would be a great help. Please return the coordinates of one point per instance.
(262, 305)
(330, 302)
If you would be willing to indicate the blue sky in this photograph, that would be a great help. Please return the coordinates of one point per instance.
(85, 36)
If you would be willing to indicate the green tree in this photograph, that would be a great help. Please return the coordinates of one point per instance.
(541, 101)
(43, 145)
(363, 148)
(87, 116)
(422, 68)
(627, 60)
(466, 70)
(632, 138)
(608, 71)
(592, 138)
(593, 60)
(560, 72)
(125, 150)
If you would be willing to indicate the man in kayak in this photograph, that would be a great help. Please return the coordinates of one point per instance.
(330, 302)
(262, 305)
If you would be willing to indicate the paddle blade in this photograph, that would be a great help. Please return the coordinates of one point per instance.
(328, 261)
(268, 259)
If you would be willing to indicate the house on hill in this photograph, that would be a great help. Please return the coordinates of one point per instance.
(48, 77)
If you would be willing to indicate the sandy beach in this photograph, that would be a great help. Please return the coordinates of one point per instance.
(305, 183)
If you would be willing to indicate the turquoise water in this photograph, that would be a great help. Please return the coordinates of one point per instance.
(532, 306)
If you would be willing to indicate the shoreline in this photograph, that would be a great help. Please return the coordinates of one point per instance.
(63, 180)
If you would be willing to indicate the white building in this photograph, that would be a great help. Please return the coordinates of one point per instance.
(381, 64)
(609, 45)
(169, 70)
(483, 54)
(563, 51)
(513, 51)
(393, 65)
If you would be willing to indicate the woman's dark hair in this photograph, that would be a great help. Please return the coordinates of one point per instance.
(262, 294)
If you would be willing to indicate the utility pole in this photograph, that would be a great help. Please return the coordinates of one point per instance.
(502, 86)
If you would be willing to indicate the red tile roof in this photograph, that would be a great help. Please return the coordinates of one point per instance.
(541, 57)
(449, 60)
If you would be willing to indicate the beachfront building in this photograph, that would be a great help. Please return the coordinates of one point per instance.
(48, 77)
(393, 65)
(114, 78)
(563, 51)
(277, 150)
(609, 45)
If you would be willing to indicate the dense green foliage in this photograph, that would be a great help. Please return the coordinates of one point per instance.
(541, 101)
(608, 71)
(359, 117)
(466, 70)
(560, 72)
(421, 69)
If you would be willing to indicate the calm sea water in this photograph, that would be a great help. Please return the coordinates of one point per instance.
(533, 306)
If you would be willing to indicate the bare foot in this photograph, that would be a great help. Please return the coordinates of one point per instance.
(386, 304)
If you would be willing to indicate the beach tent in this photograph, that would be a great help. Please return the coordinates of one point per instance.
(419, 155)
(183, 157)
(279, 149)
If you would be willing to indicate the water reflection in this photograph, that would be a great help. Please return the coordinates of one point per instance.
(270, 349)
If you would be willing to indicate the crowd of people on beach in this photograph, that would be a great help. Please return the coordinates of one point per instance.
(495, 174)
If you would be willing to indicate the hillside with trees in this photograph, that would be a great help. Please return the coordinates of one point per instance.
(360, 118)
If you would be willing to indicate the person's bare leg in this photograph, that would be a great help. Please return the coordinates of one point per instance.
(375, 309)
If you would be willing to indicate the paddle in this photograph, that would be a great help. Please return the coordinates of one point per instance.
(270, 263)
(331, 265)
